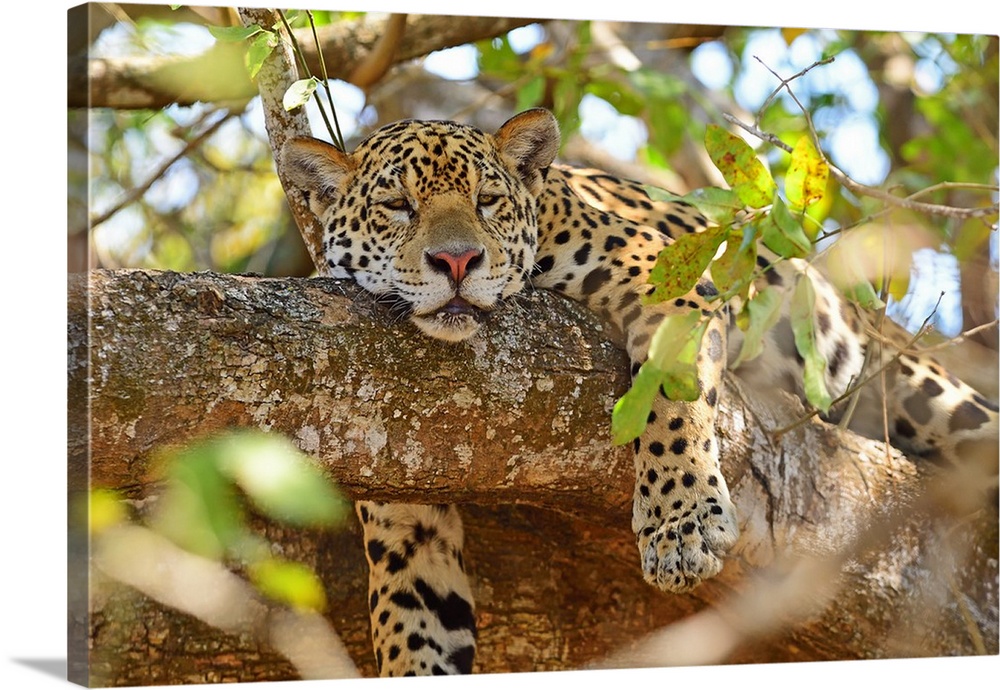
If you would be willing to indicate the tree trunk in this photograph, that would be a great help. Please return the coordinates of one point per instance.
(515, 427)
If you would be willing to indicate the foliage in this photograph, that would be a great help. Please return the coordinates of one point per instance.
(211, 489)
(751, 207)
(918, 98)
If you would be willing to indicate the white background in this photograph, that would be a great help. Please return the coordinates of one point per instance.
(33, 181)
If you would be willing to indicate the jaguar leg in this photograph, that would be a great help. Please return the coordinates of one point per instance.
(422, 615)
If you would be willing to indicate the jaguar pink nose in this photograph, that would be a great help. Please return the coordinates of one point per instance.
(457, 265)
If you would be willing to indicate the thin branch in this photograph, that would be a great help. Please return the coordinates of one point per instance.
(784, 85)
(865, 190)
(136, 193)
(339, 137)
(334, 134)
(851, 389)
(961, 337)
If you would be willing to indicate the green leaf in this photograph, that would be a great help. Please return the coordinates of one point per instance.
(720, 206)
(734, 269)
(804, 327)
(260, 48)
(681, 264)
(497, 58)
(234, 34)
(758, 317)
(531, 93)
(863, 293)
(670, 365)
(631, 412)
(299, 93)
(280, 481)
(199, 509)
(657, 85)
(674, 351)
(619, 95)
(805, 181)
(290, 583)
(782, 233)
(566, 95)
(740, 167)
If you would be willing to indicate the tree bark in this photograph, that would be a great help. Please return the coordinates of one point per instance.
(219, 75)
(513, 426)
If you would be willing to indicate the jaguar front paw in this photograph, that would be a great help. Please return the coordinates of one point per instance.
(682, 539)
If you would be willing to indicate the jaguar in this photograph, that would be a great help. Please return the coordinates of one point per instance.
(448, 223)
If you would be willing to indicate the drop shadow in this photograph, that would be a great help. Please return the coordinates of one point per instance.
(50, 667)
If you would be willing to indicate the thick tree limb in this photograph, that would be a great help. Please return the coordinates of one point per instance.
(519, 416)
(220, 76)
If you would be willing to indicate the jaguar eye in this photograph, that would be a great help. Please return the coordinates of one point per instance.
(400, 204)
(484, 200)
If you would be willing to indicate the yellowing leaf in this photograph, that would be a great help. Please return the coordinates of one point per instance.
(805, 181)
(740, 167)
(106, 510)
(791, 34)
(735, 267)
(289, 583)
(681, 264)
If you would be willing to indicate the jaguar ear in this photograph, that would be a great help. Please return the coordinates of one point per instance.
(530, 142)
(316, 169)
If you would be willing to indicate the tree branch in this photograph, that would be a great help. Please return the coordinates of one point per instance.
(518, 416)
(219, 75)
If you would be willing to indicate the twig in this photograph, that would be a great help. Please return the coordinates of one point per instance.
(305, 69)
(136, 193)
(961, 336)
(326, 82)
(865, 190)
(778, 433)
(784, 85)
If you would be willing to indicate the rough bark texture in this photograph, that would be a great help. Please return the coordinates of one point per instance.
(513, 425)
(219, 75)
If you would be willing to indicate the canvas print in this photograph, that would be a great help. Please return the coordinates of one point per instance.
(426, 344)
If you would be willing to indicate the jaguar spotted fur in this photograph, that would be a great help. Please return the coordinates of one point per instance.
(448, 222)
